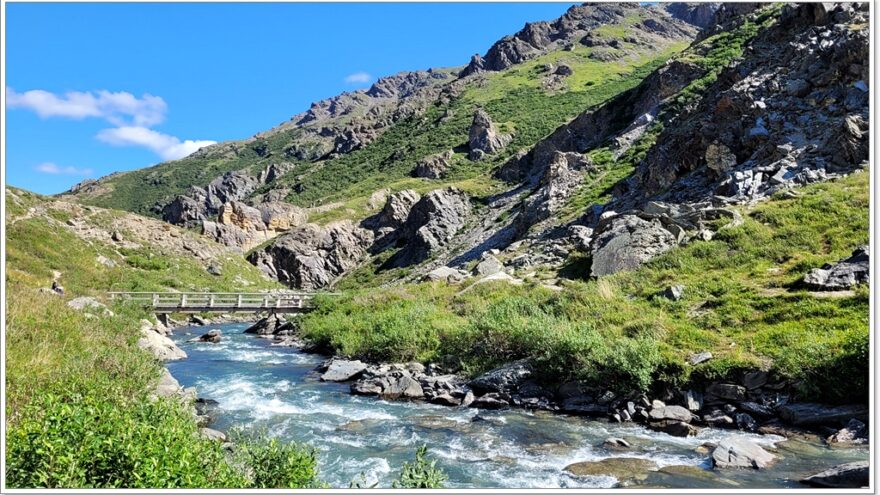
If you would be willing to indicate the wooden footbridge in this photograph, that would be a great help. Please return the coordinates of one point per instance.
(221, 302)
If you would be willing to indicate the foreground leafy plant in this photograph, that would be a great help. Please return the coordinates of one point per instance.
(421, 473)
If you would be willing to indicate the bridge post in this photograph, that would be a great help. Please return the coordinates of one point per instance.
(183, 300)
(238, 302)
(155, 300)
(211, 301)
(265, 301)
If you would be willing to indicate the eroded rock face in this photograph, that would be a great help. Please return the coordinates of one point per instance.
(562, 175)
(760, 127)
(311, 257)
(431, 224)
(483, 137)
(241, 226)
(842, 275)
(393, 215)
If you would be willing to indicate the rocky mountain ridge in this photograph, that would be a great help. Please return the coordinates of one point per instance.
(764, 99)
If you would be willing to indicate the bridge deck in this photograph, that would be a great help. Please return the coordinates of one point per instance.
(225, 302)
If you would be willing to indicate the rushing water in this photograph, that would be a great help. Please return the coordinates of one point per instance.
(258, 385)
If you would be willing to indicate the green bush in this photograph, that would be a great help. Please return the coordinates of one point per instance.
(92, 442)
(421, 473)
(274, 464)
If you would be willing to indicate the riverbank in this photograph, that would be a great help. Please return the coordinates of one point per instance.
(279, 388)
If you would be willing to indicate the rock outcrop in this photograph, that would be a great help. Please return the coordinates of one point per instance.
(484, 138)
(845, 274)
(312, 257)
(431, 224)
(433, 167)
(243, 227)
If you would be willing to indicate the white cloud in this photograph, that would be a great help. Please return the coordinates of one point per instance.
(51, 168)
(166, 146)
(118, 108)
(358, 78)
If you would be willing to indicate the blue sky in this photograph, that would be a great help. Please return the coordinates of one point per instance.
(97, 88)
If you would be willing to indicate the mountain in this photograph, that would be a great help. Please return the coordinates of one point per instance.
(615, 132)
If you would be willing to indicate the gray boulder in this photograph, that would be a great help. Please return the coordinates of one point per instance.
(446, 274)
(843, 275)
(505, 379)
(483, 137)
(160, 346)
(270, 325)
(739, 453)
(849, 475)
(624, 242)
(676, 413)
(855, 433)
(488, 265)
(341, 370)
(490, 401)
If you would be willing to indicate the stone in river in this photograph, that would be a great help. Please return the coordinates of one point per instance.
(850, 475)
(623, 468)
(739, 453)
(341, 370)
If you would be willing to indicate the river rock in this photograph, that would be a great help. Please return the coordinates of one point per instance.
(616, 443)
(505, 379)
(808, 414)
(273, 324)
(394, 385)
(168, 386)
(213, 336)
(341, 370)
(209, 434)
(674, 428)
(746, 422)
(163, 348)
(623, 468)
(733, 452)
(676, 413)
(855, 433)
(849, 475)
(490, 401)
(717, 418)
(845, 274)
(726, 391)
(756, 409)
(445, 399)
(693, 400)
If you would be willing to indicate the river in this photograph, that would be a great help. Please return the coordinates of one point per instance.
(261, 386)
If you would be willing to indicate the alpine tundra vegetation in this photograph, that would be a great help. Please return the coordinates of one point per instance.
(631, 222)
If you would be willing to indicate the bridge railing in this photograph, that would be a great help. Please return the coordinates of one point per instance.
(219, 300)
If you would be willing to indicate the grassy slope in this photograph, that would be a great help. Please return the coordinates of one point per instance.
(77, 387)
(740, 303)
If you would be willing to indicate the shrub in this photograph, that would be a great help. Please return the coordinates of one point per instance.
(421, 473)
(274, 464)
